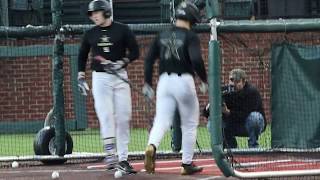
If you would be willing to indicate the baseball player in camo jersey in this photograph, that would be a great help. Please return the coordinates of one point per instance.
(109, 41)
(178, 50)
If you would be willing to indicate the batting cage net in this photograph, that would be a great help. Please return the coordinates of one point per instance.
(280, 63)
(268, 75)
(26, 118)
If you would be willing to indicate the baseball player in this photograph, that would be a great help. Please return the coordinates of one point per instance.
(109, 41)
(178, 50)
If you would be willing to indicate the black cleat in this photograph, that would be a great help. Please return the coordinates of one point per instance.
(189, 169)
(125, 168)
(149, 159)
(111, 167)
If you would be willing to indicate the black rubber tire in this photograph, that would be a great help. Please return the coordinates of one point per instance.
(41, 144)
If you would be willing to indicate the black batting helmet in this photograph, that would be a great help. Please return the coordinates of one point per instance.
(100, 5)
(188, 11)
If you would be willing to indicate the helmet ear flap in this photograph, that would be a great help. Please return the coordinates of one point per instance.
(107, 14)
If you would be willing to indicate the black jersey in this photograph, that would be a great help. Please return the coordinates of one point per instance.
(110, 42)
(179, 52)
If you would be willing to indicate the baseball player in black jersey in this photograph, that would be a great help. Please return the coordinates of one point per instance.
(109, 43)
(178, 50)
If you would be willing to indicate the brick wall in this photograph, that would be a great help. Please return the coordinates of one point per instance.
(26, 87)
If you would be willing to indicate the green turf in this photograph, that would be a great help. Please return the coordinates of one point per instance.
(89, 141)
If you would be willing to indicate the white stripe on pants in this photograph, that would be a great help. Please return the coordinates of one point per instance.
(112, 102)
(176, 91)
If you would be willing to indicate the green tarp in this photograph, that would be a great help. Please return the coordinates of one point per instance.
(295, 96)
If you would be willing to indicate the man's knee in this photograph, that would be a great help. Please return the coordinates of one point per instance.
(255, 121)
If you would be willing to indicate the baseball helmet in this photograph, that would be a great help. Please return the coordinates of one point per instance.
(189, 12)
(100, 5)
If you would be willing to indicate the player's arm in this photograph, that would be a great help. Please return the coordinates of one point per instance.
(82, 61)
(150, 59)
(132, 46)
(194, 50)
(83, 53)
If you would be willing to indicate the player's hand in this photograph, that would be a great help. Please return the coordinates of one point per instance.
(206, 111)
(107, 64)
(203, 87)
(110, 65)
(225, 109)
(102, 60)
(148, 91)
(82, 84)
(119, 64)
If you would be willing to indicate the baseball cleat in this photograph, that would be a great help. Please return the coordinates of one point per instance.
(149, 159)
(189, 169)
(125, 168)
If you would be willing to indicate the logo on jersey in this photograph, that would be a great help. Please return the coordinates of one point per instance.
(172, 45)
(105, 43)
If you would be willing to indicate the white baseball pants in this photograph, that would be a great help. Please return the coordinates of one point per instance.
(112, 102)
(176, 91)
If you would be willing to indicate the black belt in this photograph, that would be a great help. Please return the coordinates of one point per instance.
(179, 74)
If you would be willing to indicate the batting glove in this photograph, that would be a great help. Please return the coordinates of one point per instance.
(203, 87)
(119, 64)
(206, 111)
(112, 66)
(148, 91)
(82, 84)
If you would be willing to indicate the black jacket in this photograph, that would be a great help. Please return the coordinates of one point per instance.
(242, 103)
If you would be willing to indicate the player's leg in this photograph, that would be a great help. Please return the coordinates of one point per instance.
(176, 134)
(165, 108)
(163, 119)
(188, 106)
(123, 110)
(102, 94)
(254, 126)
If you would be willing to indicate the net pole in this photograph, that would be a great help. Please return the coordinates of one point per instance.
(58, 96)
(215, 127)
